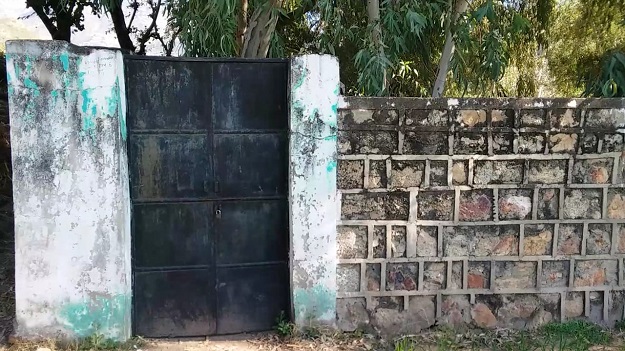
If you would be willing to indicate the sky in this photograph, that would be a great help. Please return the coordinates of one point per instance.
(97, 30)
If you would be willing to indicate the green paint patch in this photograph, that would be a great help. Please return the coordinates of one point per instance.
(64, 58)
(331, 166)
(100, 315)
(315, 303)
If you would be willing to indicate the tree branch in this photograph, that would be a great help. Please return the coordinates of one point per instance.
(135, 7)
(45, 19)
(148, 32)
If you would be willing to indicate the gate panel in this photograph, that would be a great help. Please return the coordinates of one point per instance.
(209, 169)
(174, 303)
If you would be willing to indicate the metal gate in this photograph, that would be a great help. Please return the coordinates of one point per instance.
(208, 157)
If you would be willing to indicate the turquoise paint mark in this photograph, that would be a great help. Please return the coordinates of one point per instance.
(313, 114)
(331, 166)
(115, 108)
(330, 137)
(315, 303)
(64, 61)
(29, 83)
(106, 315)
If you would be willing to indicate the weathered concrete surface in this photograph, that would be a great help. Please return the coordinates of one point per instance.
(70, 186)
(496, 213)
(314, 206)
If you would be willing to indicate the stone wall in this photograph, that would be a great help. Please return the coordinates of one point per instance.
(492, 213)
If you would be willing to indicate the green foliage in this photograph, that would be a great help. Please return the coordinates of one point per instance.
(586, 49)
(283, 326)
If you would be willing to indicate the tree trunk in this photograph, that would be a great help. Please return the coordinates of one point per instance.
(242, 25)
(373, 15)
(121, 30)
(259, 31)
(448, 50)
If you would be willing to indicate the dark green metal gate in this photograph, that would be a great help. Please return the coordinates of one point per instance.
(208, 175)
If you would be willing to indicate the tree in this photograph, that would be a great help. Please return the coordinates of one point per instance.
(61, 17)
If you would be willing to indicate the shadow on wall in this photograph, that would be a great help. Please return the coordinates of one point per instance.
(7, 248)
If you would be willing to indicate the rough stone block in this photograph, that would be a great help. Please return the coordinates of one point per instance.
(515, 204)
(348, 277)
(555, 274)
(471, 118)
(350, 174)
(538, 240)
(502, 118)
(604, 118)
(599, 239)
(456, 275)
(456, 311)
(595, 273)
(434, 276)
(398, 241)
(523, 311)
(562, 143)
(405, 174)
(377, 174)
(596, 307)
(478, 275)
(532, 118)
(438, 173)
(388, 206)
(589, 143)
(367, 142)
(373, 274)
(470, 144)
(620, 239)
(498, 172)
(582, 204)
(616, 204)
(352, 314)
(547, 172)
(574, 305)
(426, 118)
(570, 239)
(355, 118)
(436, 205)
(476, 205)
(402, 276)
(460, 173)
(427, 241)
(515, 275)
(565, 118)
(612, 143)
(483, 316)
(379, 241)
(394, 321)
(351, 241)
(531, 143)
(422, 143)
(548, 203)
(503, 143)
(616, 307)
(481, 241)
(593, 171)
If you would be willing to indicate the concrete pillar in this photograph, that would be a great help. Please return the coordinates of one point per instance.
(314, 208)
(70, 187)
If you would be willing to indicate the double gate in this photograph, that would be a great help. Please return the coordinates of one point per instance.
(208, 161)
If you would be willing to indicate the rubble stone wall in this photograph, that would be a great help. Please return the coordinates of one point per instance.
(484, 212)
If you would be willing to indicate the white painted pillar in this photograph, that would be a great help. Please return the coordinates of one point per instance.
(70, 186)
(314, 207)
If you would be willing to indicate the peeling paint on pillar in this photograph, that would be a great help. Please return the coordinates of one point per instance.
(314, 201)
(71, 191)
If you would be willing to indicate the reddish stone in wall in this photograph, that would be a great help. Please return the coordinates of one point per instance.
(476, 205)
